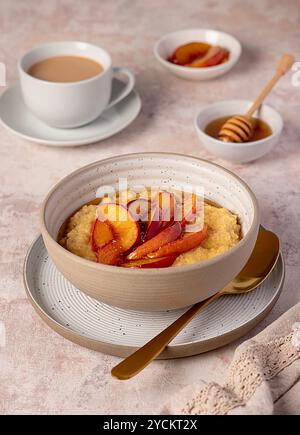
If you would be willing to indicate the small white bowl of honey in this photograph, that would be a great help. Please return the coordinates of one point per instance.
(267, 124)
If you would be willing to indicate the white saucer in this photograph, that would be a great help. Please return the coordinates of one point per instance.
(16, 117)
(111, 330)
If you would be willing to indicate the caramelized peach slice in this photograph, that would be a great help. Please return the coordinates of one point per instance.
(181, 245)
(189, 210)
(167, 204)
(168, 235)
(163, 214)
(110, 254)
(188, 52)
(124, 227)
(149, 263)
(101, 234)
(139, 209)
(213, 57)
(155, 223)
(217, 58)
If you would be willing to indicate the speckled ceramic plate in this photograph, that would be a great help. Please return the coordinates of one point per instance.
(111, 330)
(15, 116)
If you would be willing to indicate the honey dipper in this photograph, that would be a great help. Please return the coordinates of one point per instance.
(240, 128)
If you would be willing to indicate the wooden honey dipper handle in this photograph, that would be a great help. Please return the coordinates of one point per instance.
(283, 66)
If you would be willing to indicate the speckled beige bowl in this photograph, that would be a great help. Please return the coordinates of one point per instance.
(150, 289)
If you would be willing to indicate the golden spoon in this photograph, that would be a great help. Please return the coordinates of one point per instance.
(240, 128)
(257, 269)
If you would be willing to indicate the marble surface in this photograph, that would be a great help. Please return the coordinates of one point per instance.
(40, 372)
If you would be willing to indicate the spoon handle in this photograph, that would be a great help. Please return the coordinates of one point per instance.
(283, 66)
(137, 361)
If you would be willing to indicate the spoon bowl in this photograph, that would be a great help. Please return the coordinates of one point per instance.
(260, 264)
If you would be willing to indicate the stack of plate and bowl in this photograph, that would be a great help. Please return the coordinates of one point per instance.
(115, 309)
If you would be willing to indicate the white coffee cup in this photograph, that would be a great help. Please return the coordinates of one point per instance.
(72, 104)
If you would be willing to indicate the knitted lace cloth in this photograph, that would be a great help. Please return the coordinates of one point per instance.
(263, 369)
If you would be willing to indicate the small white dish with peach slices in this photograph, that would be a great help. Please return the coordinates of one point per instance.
(198, 54)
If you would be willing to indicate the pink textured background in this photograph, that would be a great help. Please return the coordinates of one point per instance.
(40, 372)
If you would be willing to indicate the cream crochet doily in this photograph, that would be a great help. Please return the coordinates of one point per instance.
(257, 363)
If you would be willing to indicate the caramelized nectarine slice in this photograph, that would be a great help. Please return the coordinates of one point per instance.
(165, 236)
(154, 224)
(167, 204)
(181, 245)
(188, 52)
(139, 209)
(101, 234)
(124, 227)
(217, 58)
(162, 215)
(110, 254)
(189, 210)
(213, 57)
(149, 263)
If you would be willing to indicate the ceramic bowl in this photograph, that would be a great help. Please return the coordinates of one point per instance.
(150, 289)
(238, 152)
(168, 43)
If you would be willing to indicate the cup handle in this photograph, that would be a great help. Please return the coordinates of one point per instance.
(128, 88)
